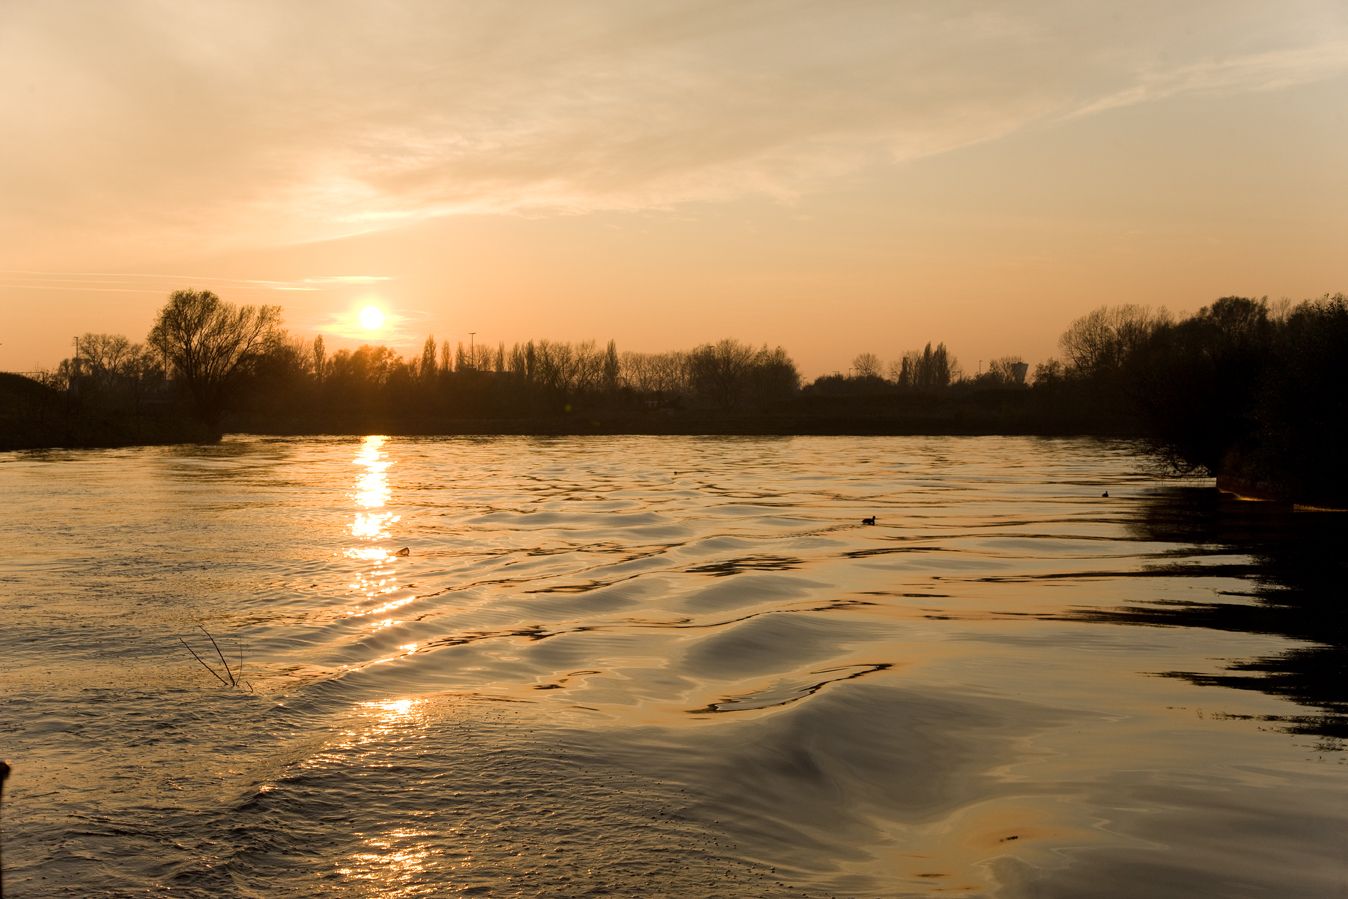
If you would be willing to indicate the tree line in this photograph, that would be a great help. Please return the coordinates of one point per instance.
(223, 362)
(1244, 387)
(219, 362)
(1249, 390)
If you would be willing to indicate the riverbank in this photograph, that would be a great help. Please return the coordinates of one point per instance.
(1248, 477)
(33, 417)
(897, 414)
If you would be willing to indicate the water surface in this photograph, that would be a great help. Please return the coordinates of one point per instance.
(665, 666)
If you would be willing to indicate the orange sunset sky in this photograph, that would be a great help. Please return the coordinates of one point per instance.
(833, 177)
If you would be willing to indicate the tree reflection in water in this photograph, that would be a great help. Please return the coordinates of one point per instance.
(1297, 571)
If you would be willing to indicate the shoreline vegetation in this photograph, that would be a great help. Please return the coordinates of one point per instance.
(1245, 390)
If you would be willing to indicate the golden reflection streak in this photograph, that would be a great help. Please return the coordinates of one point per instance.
(369, 554)
(386, 715)
(405, 649)
(391, 605)
(372, 490)
(395, 709)
(370, 523)
(397, 856)
(372, 526)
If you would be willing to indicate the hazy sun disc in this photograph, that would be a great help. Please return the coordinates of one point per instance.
(371, 318)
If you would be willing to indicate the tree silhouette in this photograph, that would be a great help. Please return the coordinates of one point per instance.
(427, 371)
(208, 344)
(1099, 343)
(318, 356)
(928, 369)
(866, 365)
(1005, 371)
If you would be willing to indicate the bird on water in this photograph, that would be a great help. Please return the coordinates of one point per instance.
(870, 520)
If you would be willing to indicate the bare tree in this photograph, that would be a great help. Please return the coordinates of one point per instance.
(866, 365)
(1098, 343)
(775, 376)
(102, 355)
(587, 367)
(208, 343)
(718, 371)
(1007, 371)
(730, 373)
(657, 373)
(635, 371)
(670, 372)
(552, 365)
(110, 369)
(1049, 373)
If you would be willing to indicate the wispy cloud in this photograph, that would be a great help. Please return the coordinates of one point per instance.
(200, 126)
(127, 282)
(1251, 72)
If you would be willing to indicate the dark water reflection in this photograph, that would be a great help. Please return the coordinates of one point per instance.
(1296, 575)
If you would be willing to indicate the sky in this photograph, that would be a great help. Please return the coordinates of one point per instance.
(832, 177)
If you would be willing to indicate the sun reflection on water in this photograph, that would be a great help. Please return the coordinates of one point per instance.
(391, 605)
(385, 863)
(372, 523)
(404, 649)
(383, 717)
(396, 708)
(369, 553)
(391, 863)
(372, 491)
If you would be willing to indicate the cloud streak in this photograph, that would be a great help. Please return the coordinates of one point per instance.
(1251, 72)
(123, 282)
(200, 127)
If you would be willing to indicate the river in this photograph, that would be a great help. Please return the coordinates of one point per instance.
(641, 666)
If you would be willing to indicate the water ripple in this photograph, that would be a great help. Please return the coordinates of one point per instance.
(536, 697)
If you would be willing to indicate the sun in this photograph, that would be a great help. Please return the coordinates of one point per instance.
(372, 318)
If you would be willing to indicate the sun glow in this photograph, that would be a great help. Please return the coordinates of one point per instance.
(371, 318)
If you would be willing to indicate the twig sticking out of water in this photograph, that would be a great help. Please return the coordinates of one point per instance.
(232, 681)
(213, 672)
(230, 678)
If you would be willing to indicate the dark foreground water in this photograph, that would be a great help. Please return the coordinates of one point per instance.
(665, 667)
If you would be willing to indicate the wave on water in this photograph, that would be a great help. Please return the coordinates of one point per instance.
(646, 666)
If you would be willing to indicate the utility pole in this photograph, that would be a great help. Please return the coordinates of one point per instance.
(472, 353)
